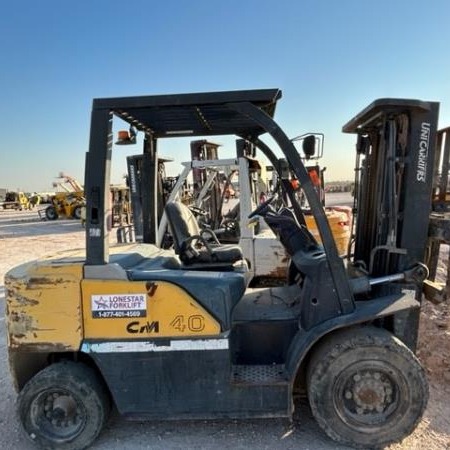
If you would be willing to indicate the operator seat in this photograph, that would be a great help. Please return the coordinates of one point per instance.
(198, 248)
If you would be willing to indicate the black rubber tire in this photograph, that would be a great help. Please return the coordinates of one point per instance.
(366, 389)
(74, 422)
(51, 213)
(76, 213)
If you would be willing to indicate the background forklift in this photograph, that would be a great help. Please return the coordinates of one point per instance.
(177, 333)
(212, 178)
(68, 202)
(16, 200)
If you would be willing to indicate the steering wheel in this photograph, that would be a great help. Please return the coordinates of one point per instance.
(263, 207)
(198, 211)
(231, 226)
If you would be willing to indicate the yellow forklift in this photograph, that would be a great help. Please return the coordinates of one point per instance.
(69, 202)
(16, 200)
(177, 334)
(65, 204)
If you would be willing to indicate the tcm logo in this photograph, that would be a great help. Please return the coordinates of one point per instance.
(147, 328)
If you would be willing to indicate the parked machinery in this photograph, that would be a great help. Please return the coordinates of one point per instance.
(120, 206)
(16, 200)
(212, 179)
(167, 334)
(66, 204)
(69, 202)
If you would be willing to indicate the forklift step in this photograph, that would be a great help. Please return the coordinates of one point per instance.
(258, 374)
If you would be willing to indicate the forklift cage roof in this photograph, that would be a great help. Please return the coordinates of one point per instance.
(202, 114)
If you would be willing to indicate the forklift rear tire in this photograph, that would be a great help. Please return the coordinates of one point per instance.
(51, 213)
(77, 213)
(366, 388)
(64, 406)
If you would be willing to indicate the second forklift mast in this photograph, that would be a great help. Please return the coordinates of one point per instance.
(395, 159)
(202, 150)
(136, 175)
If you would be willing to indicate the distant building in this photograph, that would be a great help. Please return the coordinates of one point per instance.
(339, 186)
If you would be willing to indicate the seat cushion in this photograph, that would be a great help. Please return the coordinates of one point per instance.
(223, 254)
(227, 253)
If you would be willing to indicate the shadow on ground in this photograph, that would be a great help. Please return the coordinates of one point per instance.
(15, 229)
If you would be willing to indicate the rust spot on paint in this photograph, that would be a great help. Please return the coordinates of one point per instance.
(21, 300)
(20, 325)
(40, 347)
(39, 282)
(278, 272)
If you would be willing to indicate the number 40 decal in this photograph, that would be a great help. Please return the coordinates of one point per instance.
(195, 323)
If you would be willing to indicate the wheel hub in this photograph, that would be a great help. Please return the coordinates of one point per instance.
(368, 392)
(371, 392)
(61, 411)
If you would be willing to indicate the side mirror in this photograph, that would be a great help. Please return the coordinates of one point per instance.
(312, 145)
(309, 146)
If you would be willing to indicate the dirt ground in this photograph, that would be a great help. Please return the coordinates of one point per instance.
(23, 238)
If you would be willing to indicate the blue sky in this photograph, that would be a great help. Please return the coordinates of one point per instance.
(330, 58)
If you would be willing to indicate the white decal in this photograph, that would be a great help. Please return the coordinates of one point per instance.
(423, 153)
(107, 306)
(133, 184)
(94, 232)
(144, 346)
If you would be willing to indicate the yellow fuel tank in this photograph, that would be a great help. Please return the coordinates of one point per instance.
(340, 221)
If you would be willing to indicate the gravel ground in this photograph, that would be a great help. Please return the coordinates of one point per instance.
(22, 238)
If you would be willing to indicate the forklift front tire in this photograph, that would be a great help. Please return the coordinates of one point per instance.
(77, 212)
(64, 406)
(366, 389)
(51, 213)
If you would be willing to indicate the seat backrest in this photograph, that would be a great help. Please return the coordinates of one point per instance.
(182, 223)
(291, 234)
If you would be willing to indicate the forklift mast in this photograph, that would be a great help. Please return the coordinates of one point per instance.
(140, 198)
(202, 150)
(393, 184)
